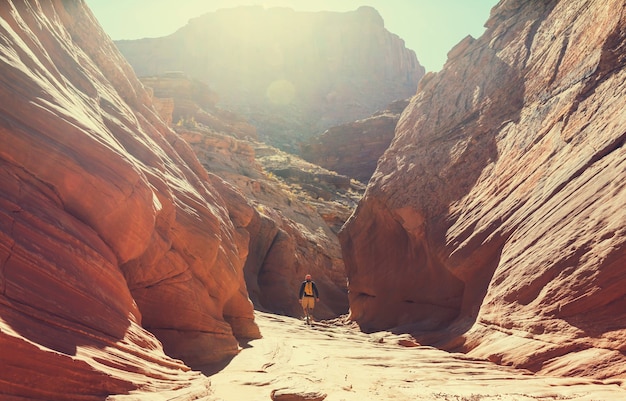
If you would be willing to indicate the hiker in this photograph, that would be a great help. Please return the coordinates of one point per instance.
(308, 296)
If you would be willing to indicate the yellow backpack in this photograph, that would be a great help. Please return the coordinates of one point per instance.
(308, 288)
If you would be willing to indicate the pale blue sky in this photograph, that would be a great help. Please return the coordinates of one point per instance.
(429, 27)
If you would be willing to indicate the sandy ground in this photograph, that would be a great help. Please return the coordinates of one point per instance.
(340, 363)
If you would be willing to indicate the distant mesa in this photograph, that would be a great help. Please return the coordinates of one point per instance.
(291, 74)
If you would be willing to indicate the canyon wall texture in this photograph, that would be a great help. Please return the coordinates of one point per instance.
(292, 74)
(117, 253)
(495, 222)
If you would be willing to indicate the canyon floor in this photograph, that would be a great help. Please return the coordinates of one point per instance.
(335, 360)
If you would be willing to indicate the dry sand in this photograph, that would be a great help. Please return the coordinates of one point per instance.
(341, 363)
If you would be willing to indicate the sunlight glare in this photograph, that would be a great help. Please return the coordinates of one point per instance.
(281, 92)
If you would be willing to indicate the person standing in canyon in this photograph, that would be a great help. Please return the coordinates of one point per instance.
(308, 295)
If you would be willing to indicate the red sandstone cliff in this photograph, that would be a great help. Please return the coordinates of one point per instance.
(353, 149)
(292, 73)
(495, 223)
(115, 245)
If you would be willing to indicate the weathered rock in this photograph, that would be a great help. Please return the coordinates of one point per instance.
(495, 222)
(288, 394)
(292, 73)
(353, 149)
(114, 244)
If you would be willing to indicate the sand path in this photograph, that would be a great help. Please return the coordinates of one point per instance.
(339, 362)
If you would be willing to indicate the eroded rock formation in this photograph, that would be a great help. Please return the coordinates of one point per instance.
(495, 223)
(353, 149)
(292, 73)
(291, 232)
(115, 245)
(296, 208)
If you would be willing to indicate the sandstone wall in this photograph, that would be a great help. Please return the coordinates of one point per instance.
(291, 233)
(495, 223)
(115, 247)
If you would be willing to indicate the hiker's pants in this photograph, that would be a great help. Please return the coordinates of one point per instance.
(308, 302)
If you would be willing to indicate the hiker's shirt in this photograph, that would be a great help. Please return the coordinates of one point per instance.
(308, 289)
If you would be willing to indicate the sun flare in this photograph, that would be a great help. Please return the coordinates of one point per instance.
(281, 92)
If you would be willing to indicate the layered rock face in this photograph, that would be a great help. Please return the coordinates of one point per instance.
(291, 73)
(115, 247)
(301, 208)
(495, 223)
(353, 149)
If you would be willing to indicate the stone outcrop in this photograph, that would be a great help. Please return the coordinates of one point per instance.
(117, 251)
(353, 149)
(308, 206)
(293, 229)
(293, 74)
(495, 222)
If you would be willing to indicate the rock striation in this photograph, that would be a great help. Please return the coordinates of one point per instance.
(495, 222)
(353, 149)
(120, 265)
(292, 74)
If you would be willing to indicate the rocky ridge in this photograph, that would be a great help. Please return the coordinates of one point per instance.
(494, 224)
(353, 148)
(292, 74)
(182, 101)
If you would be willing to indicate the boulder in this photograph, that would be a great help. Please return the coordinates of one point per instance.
(286, 394)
